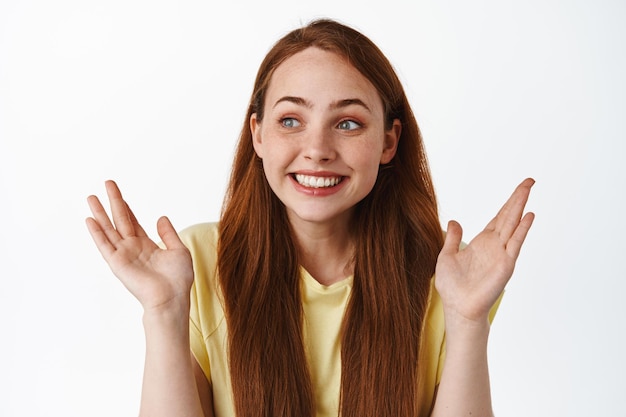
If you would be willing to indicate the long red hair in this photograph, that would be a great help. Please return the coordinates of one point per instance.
(398, 237)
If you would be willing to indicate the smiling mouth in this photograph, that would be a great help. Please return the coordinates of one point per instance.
(317, 182)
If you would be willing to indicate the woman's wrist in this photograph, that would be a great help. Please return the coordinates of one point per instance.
(462, 328)
(173, 315)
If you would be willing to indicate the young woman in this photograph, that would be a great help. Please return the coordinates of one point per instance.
(328, 287)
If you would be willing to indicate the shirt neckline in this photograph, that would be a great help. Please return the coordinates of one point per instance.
(310, 281)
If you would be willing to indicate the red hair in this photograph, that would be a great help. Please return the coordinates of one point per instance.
(398, 238)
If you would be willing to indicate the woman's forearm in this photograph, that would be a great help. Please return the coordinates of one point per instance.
(464, 389)
(169, 387)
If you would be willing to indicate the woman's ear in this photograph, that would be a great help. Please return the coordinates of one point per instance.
(390, 145)
(255, 129)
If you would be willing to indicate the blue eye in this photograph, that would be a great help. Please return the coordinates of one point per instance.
(289, 122)
(348, 125)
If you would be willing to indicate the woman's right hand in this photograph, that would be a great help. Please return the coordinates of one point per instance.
(159, 278)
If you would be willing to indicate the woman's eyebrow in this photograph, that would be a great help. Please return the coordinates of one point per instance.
(349, 102)
(296, 100)
(339, 104)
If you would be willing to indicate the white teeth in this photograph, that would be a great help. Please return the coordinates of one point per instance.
(317, 182)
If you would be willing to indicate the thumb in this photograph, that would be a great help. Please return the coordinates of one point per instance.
(168, 234)
(454, 234)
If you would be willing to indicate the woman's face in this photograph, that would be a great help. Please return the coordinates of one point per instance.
(322, 136)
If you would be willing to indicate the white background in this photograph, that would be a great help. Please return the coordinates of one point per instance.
(153, 94)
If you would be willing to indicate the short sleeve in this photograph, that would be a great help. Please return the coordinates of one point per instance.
(205, 311)
(196, 338)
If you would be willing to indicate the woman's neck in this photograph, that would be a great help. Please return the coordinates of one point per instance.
(325, 251)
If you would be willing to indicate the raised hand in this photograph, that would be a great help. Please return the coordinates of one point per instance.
(470, 280)
(158, 278)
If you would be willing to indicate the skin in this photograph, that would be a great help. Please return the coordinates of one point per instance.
(469, 282)
(322, 119)
(312, 135)
(161, 280)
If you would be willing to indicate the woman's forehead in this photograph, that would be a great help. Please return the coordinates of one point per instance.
(314, 75)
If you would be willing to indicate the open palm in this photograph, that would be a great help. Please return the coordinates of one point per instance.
(155, 276)
(471, 279)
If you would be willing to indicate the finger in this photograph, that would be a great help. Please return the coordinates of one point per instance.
(139, 230)
(519, 195)
(101, 217)
(514, 244)
(454, 234)
(99, 237)
(119, 210)
(508, 218)
(168, 234)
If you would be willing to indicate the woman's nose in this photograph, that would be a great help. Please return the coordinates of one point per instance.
(319, 146)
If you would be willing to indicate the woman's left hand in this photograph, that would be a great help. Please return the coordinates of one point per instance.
(471, 279)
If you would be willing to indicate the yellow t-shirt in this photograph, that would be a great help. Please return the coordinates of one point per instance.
(323, 308)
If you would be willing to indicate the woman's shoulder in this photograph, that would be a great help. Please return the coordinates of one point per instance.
(206, 312)
(201, 239)
(200, 234)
